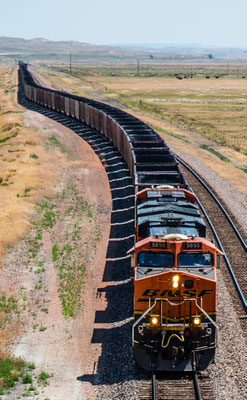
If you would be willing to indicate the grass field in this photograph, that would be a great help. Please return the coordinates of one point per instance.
(218, 112)
(210, 99)
(147, 69)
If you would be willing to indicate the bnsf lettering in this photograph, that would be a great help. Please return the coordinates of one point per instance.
(173, 294)
(189, 293)
(205, 292)
(151, 292)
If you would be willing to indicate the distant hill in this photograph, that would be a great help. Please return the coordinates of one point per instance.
(41, 45)
(42, 49)
(195, 50)
(58, 51)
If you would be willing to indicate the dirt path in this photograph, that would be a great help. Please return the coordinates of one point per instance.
(55, 270)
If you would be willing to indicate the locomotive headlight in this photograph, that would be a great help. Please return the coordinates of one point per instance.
(154, 321)
(196, 321)
(175, 280)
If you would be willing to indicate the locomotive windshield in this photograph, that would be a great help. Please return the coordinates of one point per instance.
(195, 260)
(155, 259)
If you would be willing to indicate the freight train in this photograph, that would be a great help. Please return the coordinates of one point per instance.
(175, 265)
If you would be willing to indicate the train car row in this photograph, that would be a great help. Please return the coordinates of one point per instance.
(175, 265)
(135, 140)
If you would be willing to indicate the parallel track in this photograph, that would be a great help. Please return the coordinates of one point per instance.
(238, 234)
(228, 237)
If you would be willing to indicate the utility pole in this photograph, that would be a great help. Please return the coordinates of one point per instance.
(70, 63)
(138, 67)
(228, 62)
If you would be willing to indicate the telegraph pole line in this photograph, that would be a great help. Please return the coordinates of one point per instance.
(228, 62)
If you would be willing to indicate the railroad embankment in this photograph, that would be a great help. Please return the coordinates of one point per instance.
(54, 232)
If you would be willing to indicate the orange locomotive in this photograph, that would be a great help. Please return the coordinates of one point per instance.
(175, 283)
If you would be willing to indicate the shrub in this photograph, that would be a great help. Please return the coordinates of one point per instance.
(27, 378)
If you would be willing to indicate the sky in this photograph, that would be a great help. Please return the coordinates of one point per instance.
(205, 22)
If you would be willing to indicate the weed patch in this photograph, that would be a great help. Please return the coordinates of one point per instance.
(27, 378)
(71, 273)
(48, 214)
(8, 135)
(43, 378)
(31, 366)
(71, 287)
(11, 370)
(78, 217)
(15, 371)
(55, 252)
(216, 153)
(88, 209)
(42, 328)
(25, 194)
(33, 156)
(49, 219)
(54, 142)
(242, 169)
(8, 306)
(35, 243)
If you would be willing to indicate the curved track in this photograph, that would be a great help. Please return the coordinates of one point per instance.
(117, 263)
(228, 237)
(217, 201)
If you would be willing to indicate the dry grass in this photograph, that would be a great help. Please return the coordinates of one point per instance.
(199, 112)
(57, 81)
(216, 108)
(23, 178)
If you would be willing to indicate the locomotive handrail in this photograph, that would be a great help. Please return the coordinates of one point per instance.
(172, 304)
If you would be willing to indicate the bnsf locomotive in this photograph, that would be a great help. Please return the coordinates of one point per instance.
(175, 282)
(174, 264)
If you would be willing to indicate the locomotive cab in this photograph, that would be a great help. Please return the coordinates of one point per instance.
(175, 302)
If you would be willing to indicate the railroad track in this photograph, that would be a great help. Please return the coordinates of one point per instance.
(179, 387)
(229, 239)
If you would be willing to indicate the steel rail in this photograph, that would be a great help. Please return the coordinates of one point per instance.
(216, 200)
(154, 394)
(230, 269)
(198, 394)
